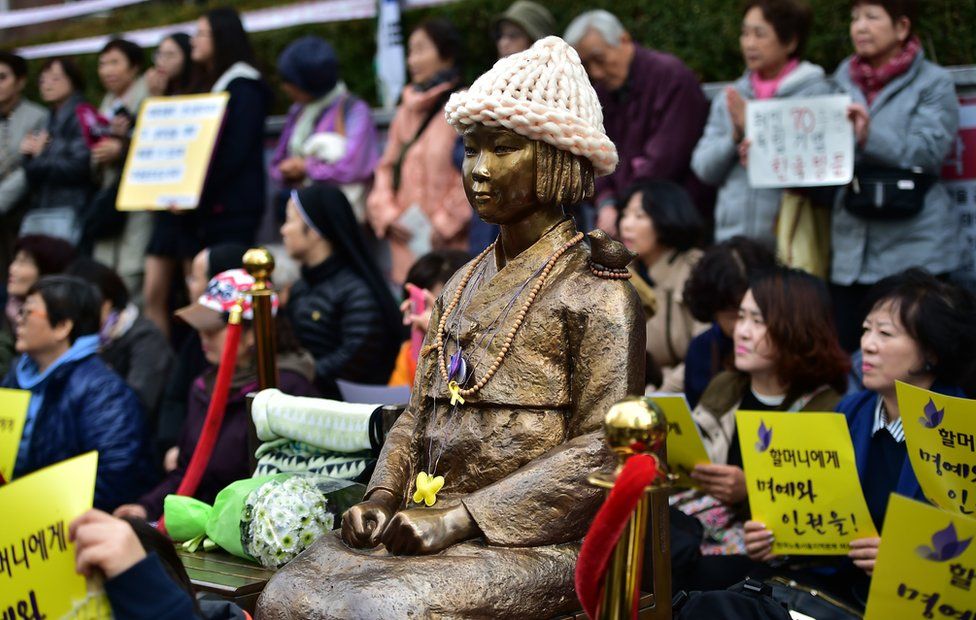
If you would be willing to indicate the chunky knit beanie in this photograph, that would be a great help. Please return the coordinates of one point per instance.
(542, 94)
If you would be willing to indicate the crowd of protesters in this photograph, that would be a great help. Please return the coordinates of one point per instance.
(89, 325)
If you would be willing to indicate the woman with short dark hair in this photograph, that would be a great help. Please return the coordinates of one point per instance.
(906, 115)
(417, 190)
(660, 223)
(787, 358)
(919, 331)
(77, 403)
(119, 239)
(35, 256)
(772, 39)
(130, 343)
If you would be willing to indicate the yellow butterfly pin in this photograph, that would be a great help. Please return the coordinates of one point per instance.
(427, 488)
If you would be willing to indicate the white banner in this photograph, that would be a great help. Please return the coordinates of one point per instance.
(391, 69)
(800, 142)
(262, 20)
(40, 15)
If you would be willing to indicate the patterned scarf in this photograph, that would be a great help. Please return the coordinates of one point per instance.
(871, 80)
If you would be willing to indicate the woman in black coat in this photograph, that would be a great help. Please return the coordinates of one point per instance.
(233, 199)
(57, 161)
(341, 309)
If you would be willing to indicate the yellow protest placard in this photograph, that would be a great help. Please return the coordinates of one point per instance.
(685, 447)
(926, 566)
(13, 412)
(172, 145)
(802, 481)
(37, 561)
(939, 433)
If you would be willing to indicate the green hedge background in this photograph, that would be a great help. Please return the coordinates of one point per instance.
(704, 33)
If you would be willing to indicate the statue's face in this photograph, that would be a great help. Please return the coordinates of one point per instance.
(499, 174)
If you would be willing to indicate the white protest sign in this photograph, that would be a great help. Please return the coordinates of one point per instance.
(804, 142)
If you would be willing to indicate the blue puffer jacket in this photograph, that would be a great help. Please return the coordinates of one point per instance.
(77, 405)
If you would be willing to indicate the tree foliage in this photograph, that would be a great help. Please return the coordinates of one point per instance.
(703, 33)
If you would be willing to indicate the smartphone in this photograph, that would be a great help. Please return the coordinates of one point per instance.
(418, 306)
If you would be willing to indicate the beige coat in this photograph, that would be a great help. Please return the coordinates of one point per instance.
(671, 327)
(715, 413)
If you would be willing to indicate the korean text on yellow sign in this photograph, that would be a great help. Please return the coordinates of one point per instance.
(13, 412)
(172, 145)
(37, 561)
(685, 447)
(926, 565)
(940, 432)
(802, 481)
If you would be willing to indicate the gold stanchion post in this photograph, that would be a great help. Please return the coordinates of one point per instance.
(259, 263)
(636, 425)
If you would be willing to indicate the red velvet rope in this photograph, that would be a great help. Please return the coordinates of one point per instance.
(213, 421)
(608, 525)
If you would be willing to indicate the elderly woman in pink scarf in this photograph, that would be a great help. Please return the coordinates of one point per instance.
(417, 202)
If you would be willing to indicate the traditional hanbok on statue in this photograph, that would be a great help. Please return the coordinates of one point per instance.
(515, 454)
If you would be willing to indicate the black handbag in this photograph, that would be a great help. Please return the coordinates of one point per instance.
(748, 600)
(882, 193)
(809, 601)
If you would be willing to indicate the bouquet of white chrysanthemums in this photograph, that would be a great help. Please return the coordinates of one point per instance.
(282, 518)
(270, 519)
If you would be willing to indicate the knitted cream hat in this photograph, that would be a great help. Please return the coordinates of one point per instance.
(543, 94)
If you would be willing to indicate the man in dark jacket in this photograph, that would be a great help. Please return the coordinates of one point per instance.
(77, 404)
(654, 111)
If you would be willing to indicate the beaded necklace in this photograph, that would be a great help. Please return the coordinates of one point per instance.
(428, 485)
(458, 394)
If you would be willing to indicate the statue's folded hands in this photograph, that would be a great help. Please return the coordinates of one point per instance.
(364, 523)
(422, 531)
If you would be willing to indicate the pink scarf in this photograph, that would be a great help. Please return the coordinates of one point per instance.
(765, 89)
(871, 80)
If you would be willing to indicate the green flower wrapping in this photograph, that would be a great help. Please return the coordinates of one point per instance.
(270, 519)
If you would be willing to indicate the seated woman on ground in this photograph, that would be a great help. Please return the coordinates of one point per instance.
(130, 343)
(662, 226)
(230, 460)
(77, 403)
(190, 360)
(712, 294)
(429, 274)
(919, 331)
(787, 358)
(35, 256)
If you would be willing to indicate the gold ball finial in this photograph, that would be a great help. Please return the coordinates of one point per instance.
(259, 263)
(635, 425)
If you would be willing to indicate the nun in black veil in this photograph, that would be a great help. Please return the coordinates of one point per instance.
(341, 309)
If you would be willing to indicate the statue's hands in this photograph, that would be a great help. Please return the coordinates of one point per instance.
(364, 523)
(423, 531)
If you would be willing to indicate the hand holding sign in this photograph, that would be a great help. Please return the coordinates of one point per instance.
(37, 562)
(104, 543)
(940, 432)
(802, 483)
(801, 142)
(926, 564)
